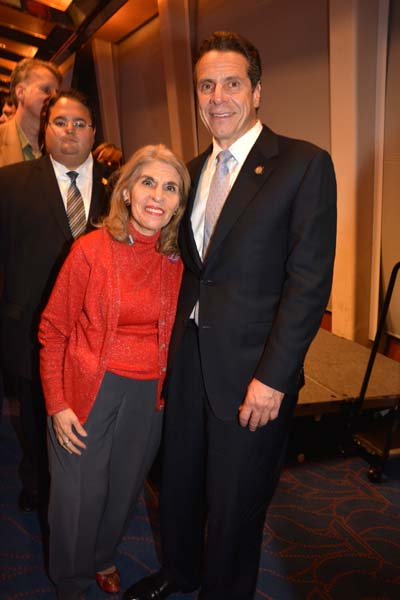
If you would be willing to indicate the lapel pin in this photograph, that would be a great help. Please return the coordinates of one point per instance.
(259, 170)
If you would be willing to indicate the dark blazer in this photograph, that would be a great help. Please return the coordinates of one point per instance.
(34, 241)
(266, 279)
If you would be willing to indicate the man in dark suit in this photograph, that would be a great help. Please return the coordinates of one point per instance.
(254, 289)
(32, 82)
(35, 237)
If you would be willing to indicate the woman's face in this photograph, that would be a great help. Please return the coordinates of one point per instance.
(154, 197)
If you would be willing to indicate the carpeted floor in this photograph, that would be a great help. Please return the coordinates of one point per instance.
(330, 534)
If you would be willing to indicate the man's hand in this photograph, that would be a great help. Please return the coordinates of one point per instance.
(63, 422)
(261, 404)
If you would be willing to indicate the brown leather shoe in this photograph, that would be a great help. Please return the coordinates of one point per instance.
(109, 582)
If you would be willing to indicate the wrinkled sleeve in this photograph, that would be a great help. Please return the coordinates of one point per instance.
(57, 324)
(309, 270)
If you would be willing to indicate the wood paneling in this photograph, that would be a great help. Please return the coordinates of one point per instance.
(131, 16)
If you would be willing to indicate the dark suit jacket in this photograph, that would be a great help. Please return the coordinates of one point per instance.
(34, 241)
(265, 282)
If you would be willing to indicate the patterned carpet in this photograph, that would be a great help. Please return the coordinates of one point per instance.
(330, 535)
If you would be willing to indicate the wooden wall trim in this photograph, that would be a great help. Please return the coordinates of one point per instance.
(175, 41)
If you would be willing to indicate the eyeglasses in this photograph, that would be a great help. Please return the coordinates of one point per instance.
(62, 124)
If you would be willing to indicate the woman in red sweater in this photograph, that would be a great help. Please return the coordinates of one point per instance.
(105, 335)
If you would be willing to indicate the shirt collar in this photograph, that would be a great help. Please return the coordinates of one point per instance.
(242, 146)
(83, 170)
(26, 146)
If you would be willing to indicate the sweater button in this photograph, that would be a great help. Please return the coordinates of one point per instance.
(164, 369)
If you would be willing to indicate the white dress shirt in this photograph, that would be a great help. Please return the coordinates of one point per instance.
(239, 150)
(84, 181)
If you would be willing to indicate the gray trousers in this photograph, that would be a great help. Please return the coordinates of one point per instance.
(92, 495)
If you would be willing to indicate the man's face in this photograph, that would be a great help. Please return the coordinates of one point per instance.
(7, 113)
(68, 144)
(38, 87)
(227, 104)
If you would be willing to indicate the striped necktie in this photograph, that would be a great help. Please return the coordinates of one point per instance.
(217, 194)
(75, 207)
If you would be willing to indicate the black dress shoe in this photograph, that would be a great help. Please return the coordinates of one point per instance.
(154, 587)
(28, 501)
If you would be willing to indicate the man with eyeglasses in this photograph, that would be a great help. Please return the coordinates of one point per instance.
(32, 83)
(45, 204)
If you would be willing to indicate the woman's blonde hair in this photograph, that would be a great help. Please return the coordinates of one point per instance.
(117, 220)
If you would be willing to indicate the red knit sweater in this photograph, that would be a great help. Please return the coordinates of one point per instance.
(134, 352)
(78, 325)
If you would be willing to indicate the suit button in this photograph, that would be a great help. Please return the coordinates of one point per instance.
(207, 282)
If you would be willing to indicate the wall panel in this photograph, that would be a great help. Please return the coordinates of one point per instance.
(293, 41)
(292, 38)
(391, 170)
(142, 92)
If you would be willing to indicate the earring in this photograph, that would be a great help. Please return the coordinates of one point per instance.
(126, 197)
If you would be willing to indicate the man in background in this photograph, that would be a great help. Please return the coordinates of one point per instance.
(44, 205)
(8, 109)
(32, 82)
(258, 242)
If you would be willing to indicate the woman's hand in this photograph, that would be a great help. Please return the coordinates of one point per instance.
(63, 424)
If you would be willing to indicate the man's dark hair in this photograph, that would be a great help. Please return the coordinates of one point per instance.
(71, 94)
(227, 41)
